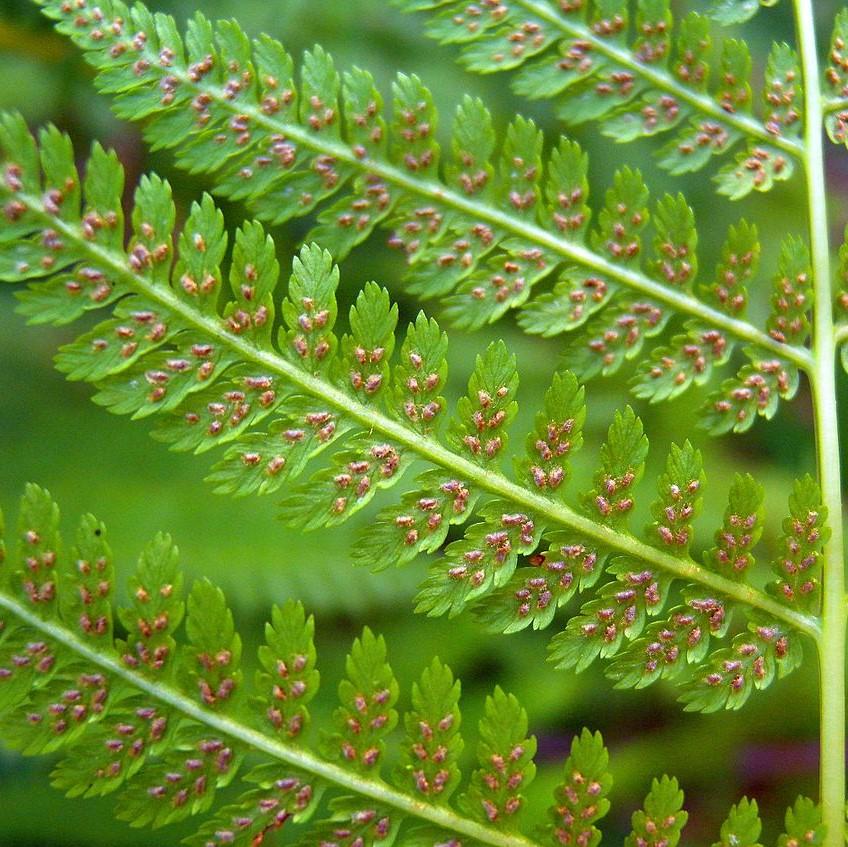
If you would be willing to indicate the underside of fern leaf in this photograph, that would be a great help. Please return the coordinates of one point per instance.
(331, 412)
(657, 80)
(494, 233)
(215, 375)
(164, 722)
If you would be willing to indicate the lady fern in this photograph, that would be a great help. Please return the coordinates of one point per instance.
(242, 365)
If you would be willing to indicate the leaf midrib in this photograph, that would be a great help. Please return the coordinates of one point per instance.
(425, 446)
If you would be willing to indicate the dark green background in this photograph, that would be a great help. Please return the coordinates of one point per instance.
(91, 461)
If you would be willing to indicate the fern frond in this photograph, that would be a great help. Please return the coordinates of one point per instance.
(582, 57)
(582, 800)
(803, 820)
(215, 376)
(483, 238)
(164, 739)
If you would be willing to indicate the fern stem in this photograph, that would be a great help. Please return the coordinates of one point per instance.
(434, 191)
(841, 334)
(832, 644)
(426, 447)
(662, 79)
(297, 757)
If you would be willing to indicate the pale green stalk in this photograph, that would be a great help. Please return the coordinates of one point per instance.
(822, 379)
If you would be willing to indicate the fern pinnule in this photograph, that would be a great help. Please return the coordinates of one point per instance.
(582, 799)
(484, 237)
(214, 376)
(662, 818)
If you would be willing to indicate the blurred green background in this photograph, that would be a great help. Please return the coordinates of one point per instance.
(50, 433)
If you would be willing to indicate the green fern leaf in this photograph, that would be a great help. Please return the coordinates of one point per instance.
(740, 260)
(157, 609)
(755, 391)
(213, 376)
(421, 374)
(803, 821)
(662, 817)
(615, 336)
(38, 553)
(170, 741)
(354, 823)
(211, 664)
(622, 465)
(489, 236)
(420, 523)
(183, 783)
(741, 529)
(505, 753)
(479, 429)
(56, 713)
(260, 810)
(729, 676)
(367, 696)
(289, 680)
(533, 594)
(581, 801)
(484, 559)
(688, 360)
(310, 310)
(366, 351)
(742, 826)
(679, 499)
(642, 88)
(335, 493)
(89, 575)
(669, 647)
(805, 532)
(558, 433)
(619, 613)
(433, 743)
(114, 750)
(169, 747)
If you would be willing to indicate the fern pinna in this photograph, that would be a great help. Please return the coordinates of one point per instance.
(169, 723)
(265, 376)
